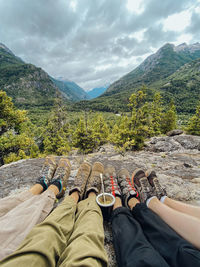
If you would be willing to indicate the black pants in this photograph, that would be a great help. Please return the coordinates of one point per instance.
(141, 238)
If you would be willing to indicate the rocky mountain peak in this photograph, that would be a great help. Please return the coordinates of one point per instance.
(6, 49)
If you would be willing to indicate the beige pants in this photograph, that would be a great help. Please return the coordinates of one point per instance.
(18, 215)
(72, 235)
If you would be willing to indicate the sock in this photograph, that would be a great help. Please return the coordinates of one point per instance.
(148, 200)
(162, 199)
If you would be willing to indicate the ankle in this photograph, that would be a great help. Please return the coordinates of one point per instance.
(75, 195)
(54, 189)
(133, 202)
(118, 203)
(92, 194)
(36, 189)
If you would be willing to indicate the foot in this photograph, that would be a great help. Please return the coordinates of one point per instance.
(61, 176)
(154, 182)
(94, 181)
(81, 179)
(47, 172)
(128, 191)
(110, 182)
(142, 185)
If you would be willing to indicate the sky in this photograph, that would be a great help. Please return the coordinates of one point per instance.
(95, 42)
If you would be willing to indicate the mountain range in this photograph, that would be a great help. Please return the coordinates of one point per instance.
(172, 71)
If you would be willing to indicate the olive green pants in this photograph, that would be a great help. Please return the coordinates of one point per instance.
(72, 235)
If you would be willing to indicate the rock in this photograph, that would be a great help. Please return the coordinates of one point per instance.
(174, 132)
(187, 165)
(196, 180)
(188, 141)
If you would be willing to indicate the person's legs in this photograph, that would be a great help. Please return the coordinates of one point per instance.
(185, 225)
(86, 243)
(182, 207)
(131, 246)
(46, 242)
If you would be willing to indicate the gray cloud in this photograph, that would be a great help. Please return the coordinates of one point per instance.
(92, 45)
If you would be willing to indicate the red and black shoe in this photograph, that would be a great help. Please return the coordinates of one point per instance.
(127, 189)
(110, 182)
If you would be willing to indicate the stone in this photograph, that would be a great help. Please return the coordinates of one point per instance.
(196, 180)
(174, 132)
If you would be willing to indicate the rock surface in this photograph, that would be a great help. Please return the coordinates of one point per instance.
(176, 161)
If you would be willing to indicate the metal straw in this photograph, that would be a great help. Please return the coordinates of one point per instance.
(102, 186)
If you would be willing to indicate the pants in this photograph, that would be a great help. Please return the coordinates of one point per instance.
(18, 215)
(141, 238)
(72, 235)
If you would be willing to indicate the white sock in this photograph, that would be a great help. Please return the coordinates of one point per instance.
(163, 199)
(148, 200)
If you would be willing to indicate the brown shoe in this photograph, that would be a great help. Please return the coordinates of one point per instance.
(110, 181)
(94, 181)
(142, 185)
(48, 168)
(127, 189)
(62, 175)
(154, 182)
(81, 179)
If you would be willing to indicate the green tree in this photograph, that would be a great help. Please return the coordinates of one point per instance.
(156, 113)
(16, 135)
(169, 118)
(100, 129)
(194, 123)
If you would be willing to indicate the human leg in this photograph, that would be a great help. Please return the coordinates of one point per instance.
(46, 241)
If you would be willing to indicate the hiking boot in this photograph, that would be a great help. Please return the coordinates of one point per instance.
(61, 176)
(81, 179)
(127, 189)
(142, 185)
(154, 182)
(110, 182)
(94, 181)
(47, 172)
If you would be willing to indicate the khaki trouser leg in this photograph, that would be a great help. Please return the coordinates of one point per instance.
(86, 244)
(18, 222)
(46, 242)
(10, 202)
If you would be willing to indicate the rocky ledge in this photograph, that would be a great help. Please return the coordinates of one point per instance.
(176, 160)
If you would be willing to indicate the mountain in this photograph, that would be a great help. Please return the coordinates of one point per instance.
(70, 90)
(153, 72)
(97, 91)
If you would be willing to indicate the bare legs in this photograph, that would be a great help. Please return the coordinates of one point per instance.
(182, 207)
(185, 225)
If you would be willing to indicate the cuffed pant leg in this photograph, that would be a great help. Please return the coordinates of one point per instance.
(131, 246)
(18, 222)
(10, 202)
(174, 249)
(46, 242)
(86, 244)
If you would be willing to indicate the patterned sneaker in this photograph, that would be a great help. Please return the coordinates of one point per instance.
(142, 185)
(61, 176)
(110, 182)
(81, 179)
(154, 182)
(47, 172)
(94, 181)
(127, 189)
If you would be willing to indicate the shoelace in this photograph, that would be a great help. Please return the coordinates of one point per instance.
(157, 185)
(59, 172)
(114, 185)
(131, 187)
(145, 185)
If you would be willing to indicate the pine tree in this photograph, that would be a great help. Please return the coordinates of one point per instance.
(156, 113)
(194, 123)
(16, 135)
(101, 130)
(169, 118)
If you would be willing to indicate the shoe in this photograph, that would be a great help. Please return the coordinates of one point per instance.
(61, 176)
(110, 182)
(127, 189)
(47, 172)
(154, 182)
(140, 182)
(94, 181)
(81, 179)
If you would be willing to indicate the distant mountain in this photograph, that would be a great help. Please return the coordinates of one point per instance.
(97, 91)
(154, 72)
(70, 90)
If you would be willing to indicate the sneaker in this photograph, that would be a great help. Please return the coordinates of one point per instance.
(61, 176)
(81, 179)
(142, 185)
(154, 182)
(110, 182)
(47, 172)
(94, 181)
(127, 189)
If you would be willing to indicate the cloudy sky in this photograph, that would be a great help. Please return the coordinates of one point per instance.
(95, 42)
